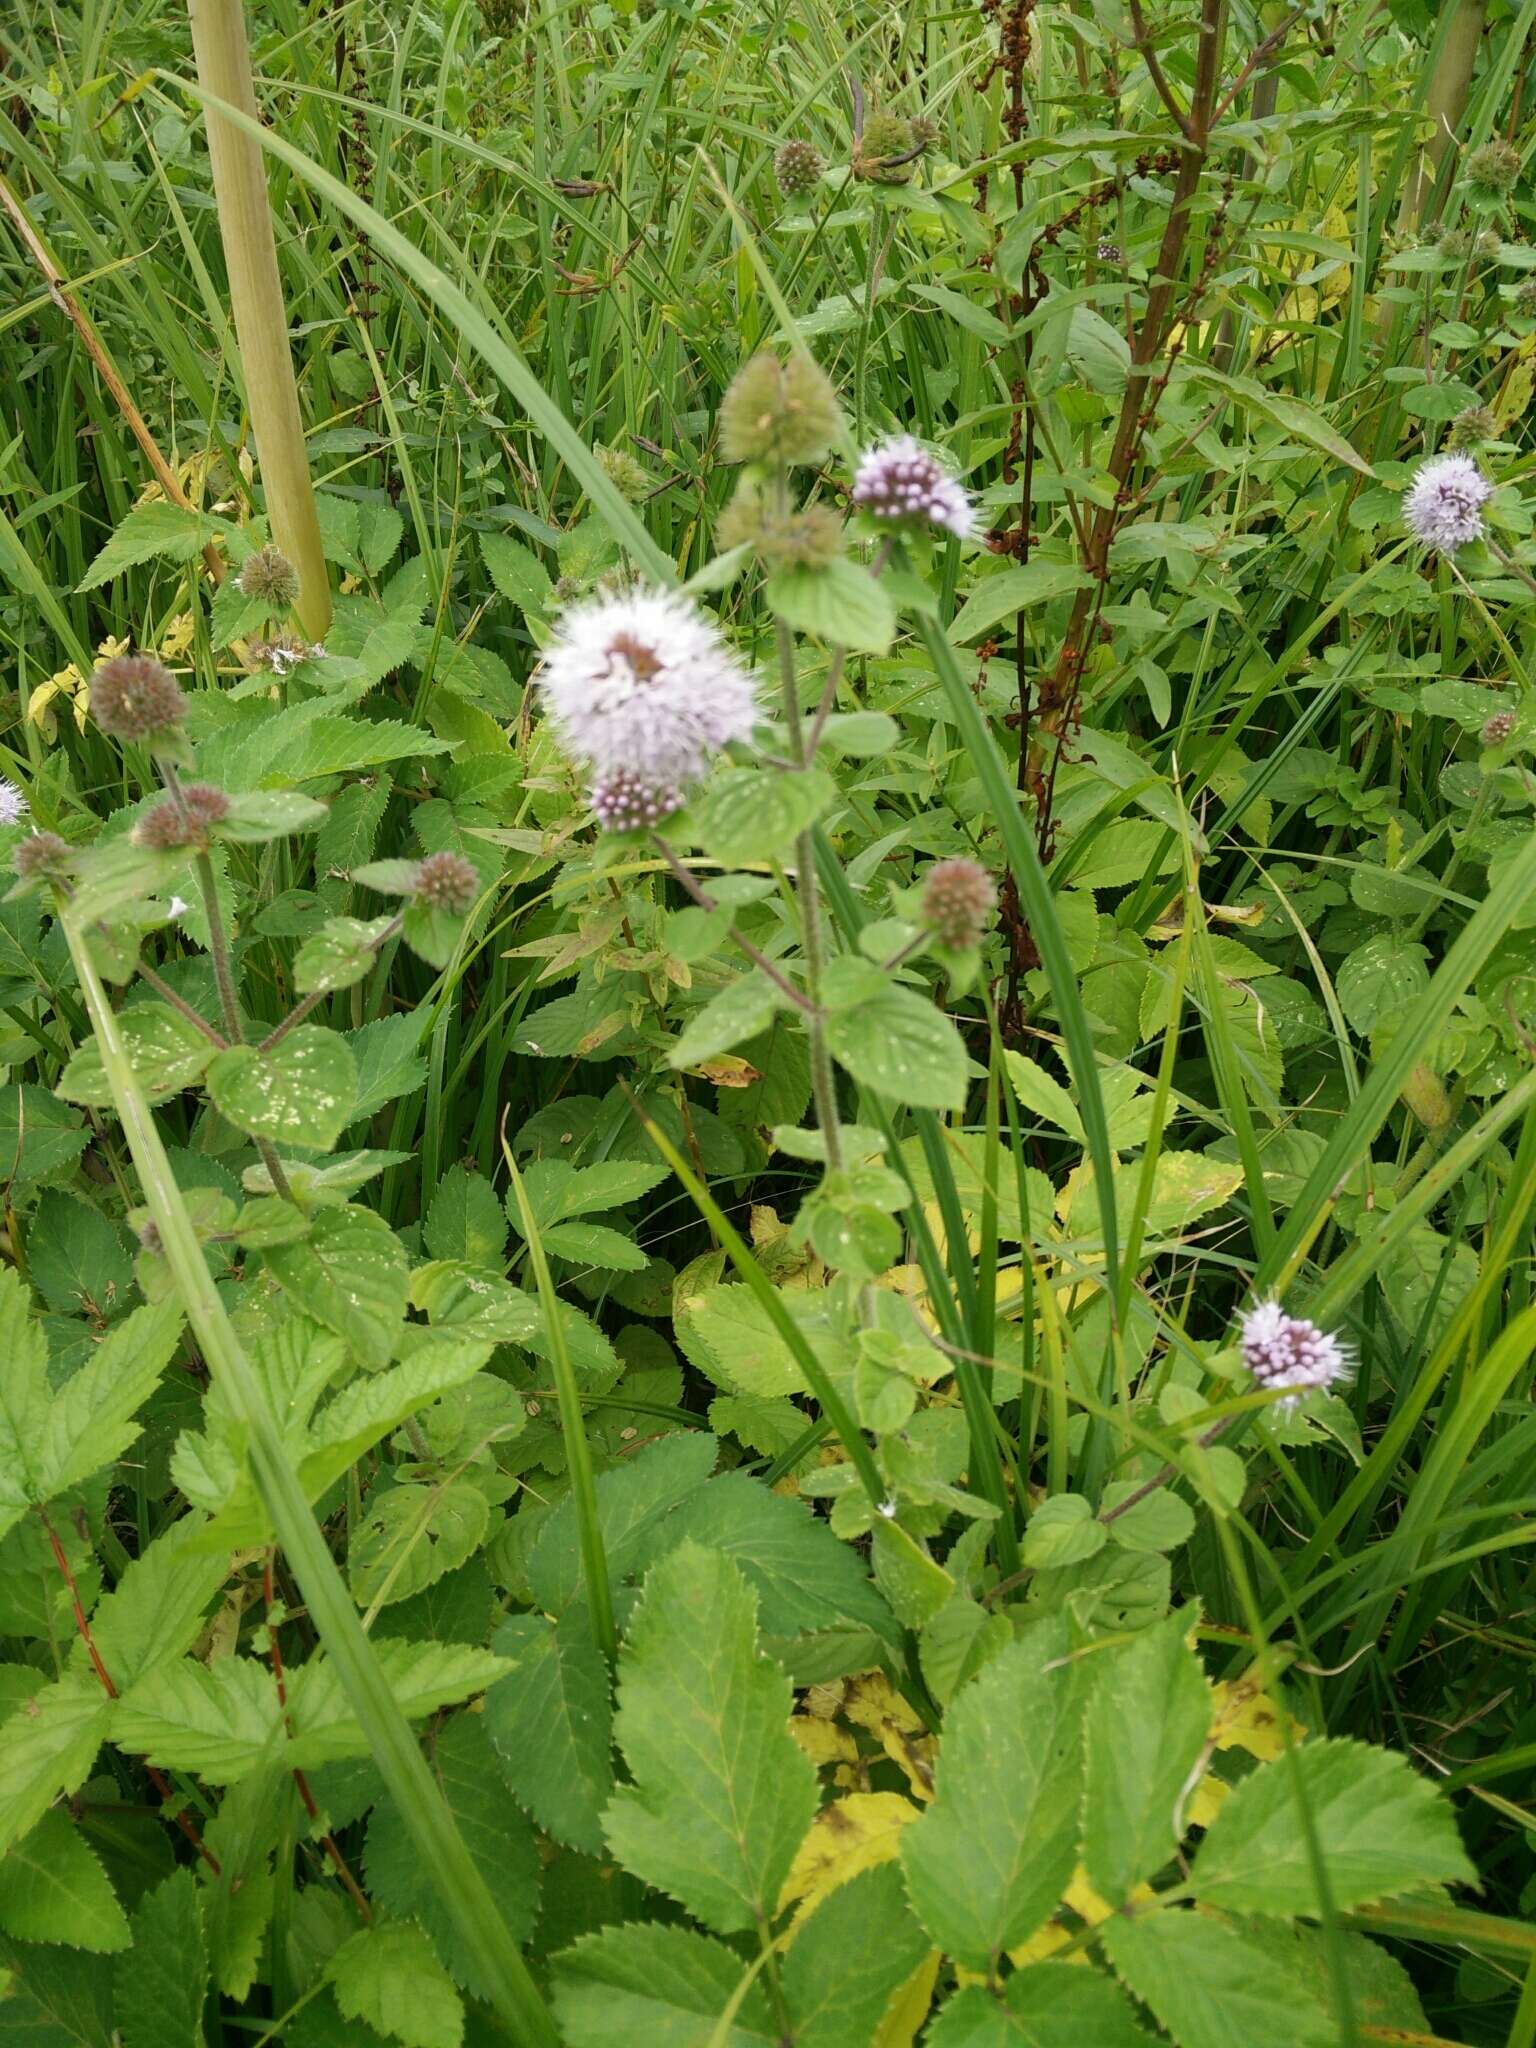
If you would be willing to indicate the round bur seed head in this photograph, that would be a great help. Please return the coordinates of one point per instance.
(797, 167)
(135, 697)
(958, 898)
(1497, 729)
(446, 881)
(777, 412)
(886, 137)
(269, 576)
(1491, 171)
(1473, 426)
(43, 857)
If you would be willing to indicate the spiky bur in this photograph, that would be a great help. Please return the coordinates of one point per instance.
(797, 167)
(925, 131)
(643, 685)
(887, 139)
(446, 882)
(1525, 296)
(136, 698)
(958, 900)
(1473, 426)
(1282, 1351)
(269, 577)
(1444, 504)
(1497, 729)
(809, 538)
(13, 805)
(43, 857)
(621, 802)
(782, 413)
(188, 823)
(625, 474)
(1490, 173)
(279, 653)
(899, 483)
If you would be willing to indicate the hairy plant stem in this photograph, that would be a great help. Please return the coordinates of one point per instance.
(823, 1082)
(464, 1891)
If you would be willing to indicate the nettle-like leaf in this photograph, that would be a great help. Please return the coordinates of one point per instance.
(551, 1722)
(350, 1273)
(647, 1982)
(1048, 2005)
(988, 1860)
(338, 955)
(1147, 1718)
(160, 1983)
(410, 1534)
(50, 1443)
(894, 1041)
(53, 1888)
(1208, 1983)
(166, 1052)
(303, 1091)
(498, 1837)
(721, 1795)
(1382, 1829)
(47, 1747)
(742, 811)
(389, 1976)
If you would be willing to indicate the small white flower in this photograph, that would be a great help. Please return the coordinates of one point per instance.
(1287, 1351)
(1444, 504)
(900, 482)
(642, 687)
(177, 907)
(13, 805)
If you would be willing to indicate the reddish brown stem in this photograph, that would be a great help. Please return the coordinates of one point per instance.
(161, 1783)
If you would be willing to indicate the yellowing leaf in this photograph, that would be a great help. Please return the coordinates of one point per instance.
(872, 1702)
(909, 2008)
(848, 1836)
(1247, 1718)
(823, 1741)
(1206, 1801)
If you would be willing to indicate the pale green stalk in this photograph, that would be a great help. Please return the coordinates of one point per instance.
(395, 1750)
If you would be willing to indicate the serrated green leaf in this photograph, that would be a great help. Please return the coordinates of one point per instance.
(988, 1860)
(740, 1011)
(1382, 1830)
(24, 1399)
(389, 1976)
(897, 1044)
(466, 1220)
(1048, 2005)
(517, 573)
(47, 1747)
(551, 1720)
(158, 531)
(745, 814)
(632, 1500)
(53, 1888)
(497, 1836)
(1062, 1530)
(91, 1421)
(837, 1980)
(840, 603)
(338, 955)
(410, 1534)
(155, 1611)
(351, 1275)
(728, 1334)
(1014, 589)
(262, 814)
(665, 1986)
(166, 1053)
(39, 1136)
(1145, 1725)
(1209, 1985)
(1161, 1520)
(160, 1984)
(302, 1092)
(721, 1795)
(805, 1578)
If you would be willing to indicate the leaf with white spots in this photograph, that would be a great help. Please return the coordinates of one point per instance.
(301, 1092)
(350, 1274)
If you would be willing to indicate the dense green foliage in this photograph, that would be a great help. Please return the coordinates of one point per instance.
(644, 1435)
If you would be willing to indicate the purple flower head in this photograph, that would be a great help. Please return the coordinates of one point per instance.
(643, 686)
(899, 482)
(1289, 1352)
(1444, 504)
(623, 802)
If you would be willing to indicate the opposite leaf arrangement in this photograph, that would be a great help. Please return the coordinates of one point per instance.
(731, 1770)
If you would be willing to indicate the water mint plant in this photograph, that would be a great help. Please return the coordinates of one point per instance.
(767, 1096)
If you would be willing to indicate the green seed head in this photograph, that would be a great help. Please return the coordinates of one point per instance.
(797, 167)
(779, 412)
(269, 576)
(885, 137)
(1491, 171)
(446, 881)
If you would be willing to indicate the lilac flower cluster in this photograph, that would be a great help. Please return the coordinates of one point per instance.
(1282, 1351)
(900, 482)
(1444, 504)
